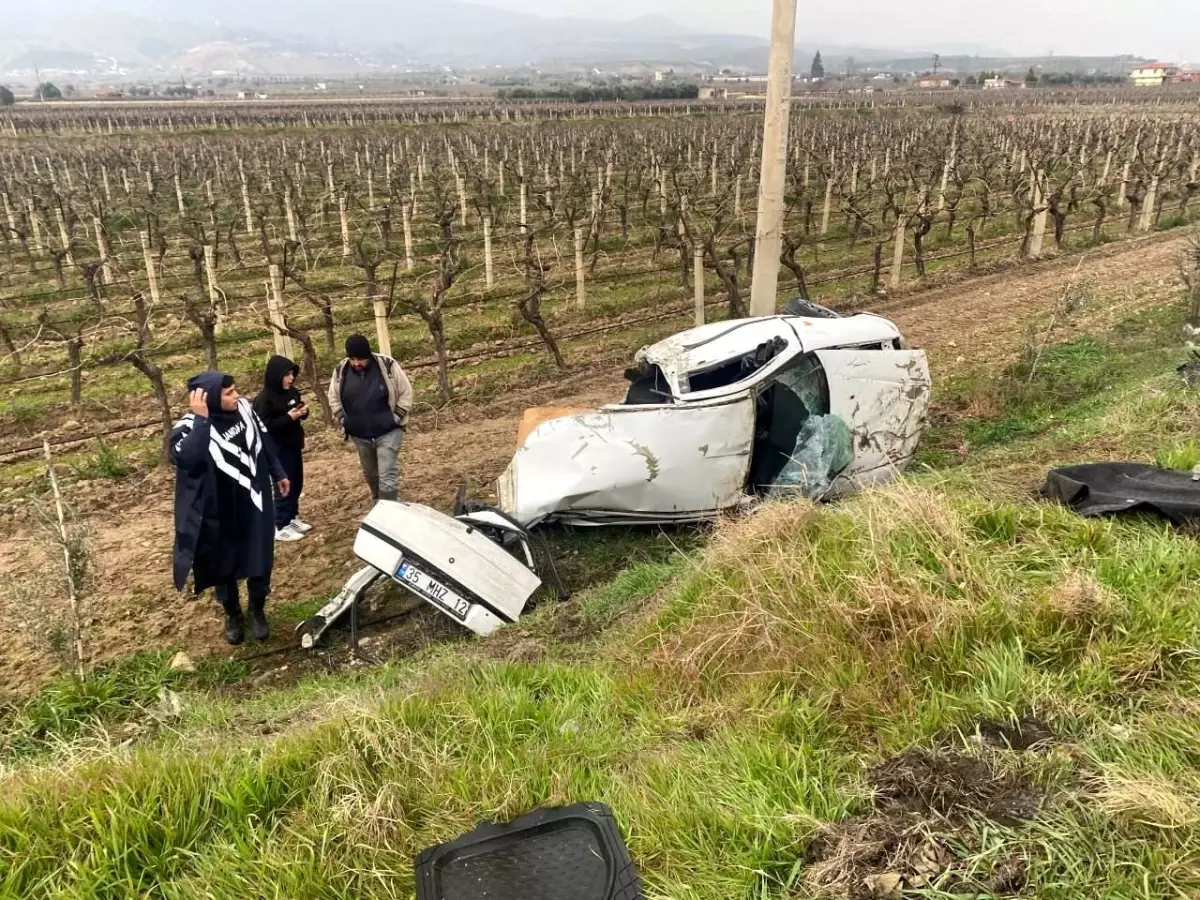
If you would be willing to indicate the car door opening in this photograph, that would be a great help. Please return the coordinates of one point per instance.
(799, 447)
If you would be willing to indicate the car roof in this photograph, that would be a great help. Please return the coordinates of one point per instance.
(717, 342)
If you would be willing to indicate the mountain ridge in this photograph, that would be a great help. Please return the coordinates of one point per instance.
(136, 36)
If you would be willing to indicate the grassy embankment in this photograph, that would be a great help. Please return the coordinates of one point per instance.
(947, 682)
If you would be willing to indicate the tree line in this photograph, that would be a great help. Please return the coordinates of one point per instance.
(618, 93)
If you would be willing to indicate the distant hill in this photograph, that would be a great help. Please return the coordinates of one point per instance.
(317, 37)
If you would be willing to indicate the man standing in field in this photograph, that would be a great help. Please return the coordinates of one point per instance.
(224, 507)
(371, 397)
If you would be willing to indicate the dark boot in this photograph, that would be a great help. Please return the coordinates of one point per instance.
(258, 620)
(235, 631)
(389, 495)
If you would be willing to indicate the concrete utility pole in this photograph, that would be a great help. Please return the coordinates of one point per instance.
(769, 232)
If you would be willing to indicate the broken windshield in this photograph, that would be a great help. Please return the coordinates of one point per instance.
(799, 446)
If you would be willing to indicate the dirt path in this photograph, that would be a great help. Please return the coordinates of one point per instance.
(136, 608)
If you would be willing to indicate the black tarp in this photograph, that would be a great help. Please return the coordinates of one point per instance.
(1101, 489)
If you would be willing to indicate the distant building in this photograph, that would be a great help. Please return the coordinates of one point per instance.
(658, 77)
(1187, 78)
(933, 82)
(713, 93)
(1002, 83)
(1154, 74)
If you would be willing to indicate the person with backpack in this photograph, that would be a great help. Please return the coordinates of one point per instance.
(283, 411)
(370, 397)
(225, 464)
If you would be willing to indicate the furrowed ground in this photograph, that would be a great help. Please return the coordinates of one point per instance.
(942, 689)
(135, 606)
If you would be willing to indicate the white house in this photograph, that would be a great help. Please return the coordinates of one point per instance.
(1154, 74)
(1000, 83)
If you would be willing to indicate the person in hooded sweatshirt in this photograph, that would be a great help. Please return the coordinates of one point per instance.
(282, 410)
(225, 464)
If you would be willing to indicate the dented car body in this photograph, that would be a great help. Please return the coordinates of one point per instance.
(725, 414)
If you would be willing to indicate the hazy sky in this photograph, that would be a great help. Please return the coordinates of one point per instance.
(1162, 28)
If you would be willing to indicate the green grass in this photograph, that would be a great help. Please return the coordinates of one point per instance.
(729, 695)
(1051, 386)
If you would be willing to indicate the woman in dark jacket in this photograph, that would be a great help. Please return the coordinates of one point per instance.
(282, 410)
(224, 515)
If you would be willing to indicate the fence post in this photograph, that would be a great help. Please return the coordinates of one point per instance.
(63, 236)
(1039, 223)
(1147, 220)
(105, 253)
(345, 226)
(34, 224)
(898, 252)
(214, 294)
(151, 272)
(698, 281)
(488, 262)
(283, 341)
(406, 212)
(8, 212)
(290, 211)
(580, 284)
(246, 205)
(381, 325)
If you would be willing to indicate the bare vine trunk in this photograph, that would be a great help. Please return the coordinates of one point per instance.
(154, 375)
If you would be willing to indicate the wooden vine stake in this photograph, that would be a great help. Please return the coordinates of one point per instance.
(151, 271)
(74, 590)
(580, 269)
(214, 292)
(897, 252)
(283, 340)
(489, 263)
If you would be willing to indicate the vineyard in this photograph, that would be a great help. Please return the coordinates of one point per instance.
(942, 687)
(489, 246)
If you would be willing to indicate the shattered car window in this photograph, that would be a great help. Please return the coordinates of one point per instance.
(736, 370)
(799, 446)
(648, 386)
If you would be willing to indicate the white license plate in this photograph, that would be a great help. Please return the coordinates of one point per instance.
(433, 591)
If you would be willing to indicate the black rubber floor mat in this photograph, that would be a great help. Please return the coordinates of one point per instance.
(565, 853)
(1104, 489)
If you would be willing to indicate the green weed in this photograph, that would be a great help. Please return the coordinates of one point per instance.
(106, 462)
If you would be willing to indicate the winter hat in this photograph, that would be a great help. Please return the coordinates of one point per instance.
(358, 347)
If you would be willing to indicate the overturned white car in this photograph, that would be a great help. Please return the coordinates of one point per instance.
(806, 403)
(809, 402)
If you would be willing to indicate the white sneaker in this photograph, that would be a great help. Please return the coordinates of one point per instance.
(288, 535)
(300, 527)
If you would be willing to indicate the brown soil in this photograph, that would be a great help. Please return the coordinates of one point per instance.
(134, 606)
(924, 811)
